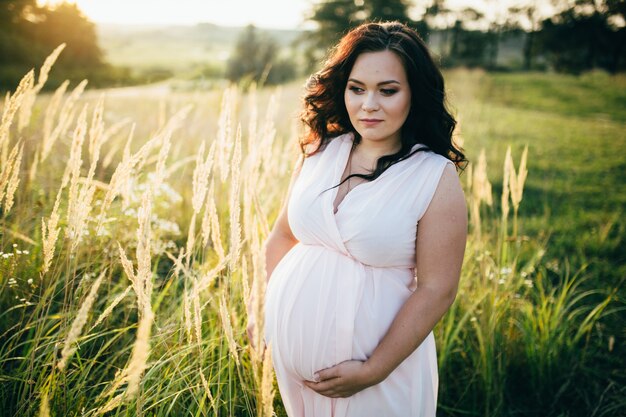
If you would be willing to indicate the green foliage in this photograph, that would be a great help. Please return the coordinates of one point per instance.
(32, 32)
(574, 42)
(336, 17)
(255, 59)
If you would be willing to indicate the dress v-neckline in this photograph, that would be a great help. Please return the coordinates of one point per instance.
(342, 164)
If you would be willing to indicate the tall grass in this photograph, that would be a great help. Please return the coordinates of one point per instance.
(130, 248)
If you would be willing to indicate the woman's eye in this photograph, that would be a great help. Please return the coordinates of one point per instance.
(355, 89)
(388, 91)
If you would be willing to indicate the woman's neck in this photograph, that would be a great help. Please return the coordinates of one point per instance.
(372, 150)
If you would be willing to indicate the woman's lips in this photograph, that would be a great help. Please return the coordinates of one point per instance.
(370, 122)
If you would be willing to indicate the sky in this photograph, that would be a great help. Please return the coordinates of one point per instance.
(283, 14)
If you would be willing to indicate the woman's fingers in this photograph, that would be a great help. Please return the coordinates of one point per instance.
(326, 388)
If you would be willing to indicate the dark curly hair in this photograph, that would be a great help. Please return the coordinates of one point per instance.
(429, 122)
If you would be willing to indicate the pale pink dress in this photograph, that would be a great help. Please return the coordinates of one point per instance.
(333, 296)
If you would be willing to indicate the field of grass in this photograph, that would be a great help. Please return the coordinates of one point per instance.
(132, 229)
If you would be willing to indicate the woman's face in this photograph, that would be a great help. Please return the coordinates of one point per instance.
(378, 96)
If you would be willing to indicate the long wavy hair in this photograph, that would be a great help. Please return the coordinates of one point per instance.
(429, 122)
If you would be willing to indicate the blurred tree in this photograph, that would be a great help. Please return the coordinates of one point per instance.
(255, 59)
(28, 33)
(438, 17)
(336, 17)
(468, 47)
(17, 19)
(66, 23)
(588, 34)
(387, 10)
(616, 11)
(527, 17)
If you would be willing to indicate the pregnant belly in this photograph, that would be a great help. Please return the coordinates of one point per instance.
(322, 308)
(310, 305)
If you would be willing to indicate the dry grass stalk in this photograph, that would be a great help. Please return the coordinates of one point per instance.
(248, 207)
(12, 105)
(72, 175)
(49, 116)
(164, 138)
(517, 181)
(7, 170)
(228, 329)
(111, 307)
(216, 237)
(207, 279)
(14, 180)
(29, 99)
(108, 133)
(187, 316)
(144, 269)
(96, 130)
(32, 172)
(245, 283)
(258, 293)
(178, 263)
(74, 163)
(50, 234)
(142, 284)
(481, 186)
(234, 206)
(206, 218)
(197, 312)
(207, 390)
(79, 322)
(160, 171)
(268, 133)
(191, 240)
(80, 212)
(132, 276)
(481, 190)
(66, 115)
(200, 179)
(506, 191)
(253, 159)
(120, 177)
(111, 405)
(260, 216)
(224, 133)
(141, 352)
(267, 386)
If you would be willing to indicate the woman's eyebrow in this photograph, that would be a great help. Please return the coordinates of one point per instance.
(380, 83)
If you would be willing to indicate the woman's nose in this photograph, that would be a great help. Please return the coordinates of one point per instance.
(370, 103)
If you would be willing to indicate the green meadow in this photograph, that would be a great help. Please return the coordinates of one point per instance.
(132, 226)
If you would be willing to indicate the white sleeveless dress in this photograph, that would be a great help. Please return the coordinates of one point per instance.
(333, 296)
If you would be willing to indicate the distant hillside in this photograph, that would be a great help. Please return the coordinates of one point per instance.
(175, 48)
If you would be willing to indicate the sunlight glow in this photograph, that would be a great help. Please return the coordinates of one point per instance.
(265, 13)
(280, 14)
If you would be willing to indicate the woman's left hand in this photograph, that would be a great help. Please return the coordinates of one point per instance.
(342, 380)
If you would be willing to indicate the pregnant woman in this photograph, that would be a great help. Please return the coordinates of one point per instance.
(365, 257)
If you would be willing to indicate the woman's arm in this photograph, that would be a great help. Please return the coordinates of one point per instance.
(440, 247)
